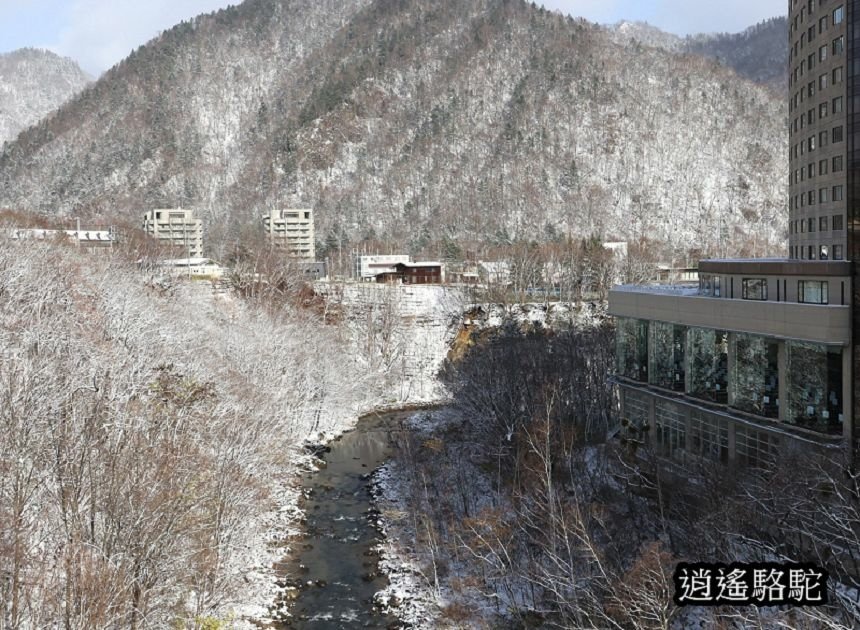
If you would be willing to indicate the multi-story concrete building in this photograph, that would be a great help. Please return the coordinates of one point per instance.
(293, 231)
(177, 228)
(759, 359)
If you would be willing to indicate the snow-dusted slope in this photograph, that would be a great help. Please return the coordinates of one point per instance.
(33, 83)
(413, 121)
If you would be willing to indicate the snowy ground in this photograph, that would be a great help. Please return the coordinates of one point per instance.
(415, 594)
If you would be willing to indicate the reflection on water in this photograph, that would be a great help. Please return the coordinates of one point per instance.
(336, 565)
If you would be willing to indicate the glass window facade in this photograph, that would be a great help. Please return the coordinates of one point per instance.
(668, 347)
(755, 375)
(814, 386)
(739, 370)
(631, 348)
(709, 364)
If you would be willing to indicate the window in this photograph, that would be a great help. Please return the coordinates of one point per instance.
(812, 291)
(837, 164)
(708, 364)
(756, 449)
(810, 116)
(837, 105)
(802, 226)
(810, 199)
(838, 15)
(822, 166)
(810, 89)
(754, 289)
(836, 136)
(814, 386)
(810, 222)
(811, 143)
(837, 193)
(837, 75)
(822, 224)
(709, 436)
(837, 223)
(667, 363)
(822, 195)
(839, 45)
(631, 348)
(810, 33)
(822, 85)
(754, 375)
(811, 170)
(822, 24)
(822, 252)
(837, 252)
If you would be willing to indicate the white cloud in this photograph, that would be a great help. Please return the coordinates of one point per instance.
(100, 33)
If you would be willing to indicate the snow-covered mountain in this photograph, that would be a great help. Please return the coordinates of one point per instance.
(412, 121)
(627, 31)
(33, 83)
(759, 53)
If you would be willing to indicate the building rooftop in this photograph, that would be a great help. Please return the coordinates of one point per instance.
(661, 289)
(776, 267)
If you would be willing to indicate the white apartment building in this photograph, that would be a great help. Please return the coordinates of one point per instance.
(176, 227)
(293, 231)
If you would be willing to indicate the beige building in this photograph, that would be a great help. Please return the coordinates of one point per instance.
(176, 227)
(293, 231)
(752, 363)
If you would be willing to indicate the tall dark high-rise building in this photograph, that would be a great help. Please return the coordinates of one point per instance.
(760, 360)
(819, 108)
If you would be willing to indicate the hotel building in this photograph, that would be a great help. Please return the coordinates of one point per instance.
(178, 228)
(759, 360)
(293, 231)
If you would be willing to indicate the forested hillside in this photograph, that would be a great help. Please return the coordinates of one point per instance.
(413, 120)
(33, 83)
(759, 53)
(148, 432)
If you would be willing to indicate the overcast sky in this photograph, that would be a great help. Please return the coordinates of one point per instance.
(99, 33)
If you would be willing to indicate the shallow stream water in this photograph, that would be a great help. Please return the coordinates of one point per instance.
(335, 564)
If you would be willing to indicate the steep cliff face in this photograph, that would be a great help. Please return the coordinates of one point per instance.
(33, 83)
(413, 119)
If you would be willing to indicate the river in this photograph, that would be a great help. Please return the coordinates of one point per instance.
(335, 565)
